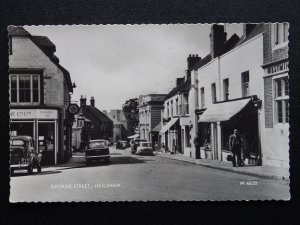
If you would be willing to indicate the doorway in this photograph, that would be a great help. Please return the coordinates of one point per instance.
(46, 142)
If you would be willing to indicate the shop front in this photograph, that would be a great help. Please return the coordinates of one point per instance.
(42, 126)
(218, 122)
(172, 135)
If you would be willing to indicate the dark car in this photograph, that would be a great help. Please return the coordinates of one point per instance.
(23, 156)
(134, 143)
(97, 150)
(144, 148)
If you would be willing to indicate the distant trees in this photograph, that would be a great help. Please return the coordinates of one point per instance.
(131, 105)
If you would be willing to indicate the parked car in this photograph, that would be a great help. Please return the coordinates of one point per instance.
(144, 148)
(121, 145)
(23, 155)
(134, 143)
(97, 150)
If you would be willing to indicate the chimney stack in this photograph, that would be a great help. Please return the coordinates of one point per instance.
(247, 28)
(82, 100)
(92, 101)
(217, 40)
(192, 60)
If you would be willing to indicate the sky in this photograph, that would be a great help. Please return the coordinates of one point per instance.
(114, 63)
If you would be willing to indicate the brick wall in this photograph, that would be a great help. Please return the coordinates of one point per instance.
(268, 102)
(271, 55)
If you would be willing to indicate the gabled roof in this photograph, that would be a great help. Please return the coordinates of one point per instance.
(45, 45)
(17, 31)
(97, 113)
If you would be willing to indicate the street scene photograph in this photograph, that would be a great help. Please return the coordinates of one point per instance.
(183, 112)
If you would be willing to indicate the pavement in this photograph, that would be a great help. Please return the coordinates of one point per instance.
(258, 171)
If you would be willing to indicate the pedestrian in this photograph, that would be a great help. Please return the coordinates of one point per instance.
(197, 146)
(235, 144)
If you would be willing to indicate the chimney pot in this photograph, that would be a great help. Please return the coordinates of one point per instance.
(82, 100)
(92, 101)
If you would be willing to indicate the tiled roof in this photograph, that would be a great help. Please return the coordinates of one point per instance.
(97, 113)
(184, 85)
(17, 31)
(259, 28)
(45, 42)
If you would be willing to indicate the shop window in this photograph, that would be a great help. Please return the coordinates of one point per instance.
(282, 100)
(204, 135)
(202, 98)
(226, 89)
(213, 93)
(245, 84)
(280, 33)
(24, 88)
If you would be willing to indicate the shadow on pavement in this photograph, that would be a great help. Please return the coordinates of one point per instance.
(16, 174)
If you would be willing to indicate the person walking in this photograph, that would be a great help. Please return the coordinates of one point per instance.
(197, 146)
(235, 144)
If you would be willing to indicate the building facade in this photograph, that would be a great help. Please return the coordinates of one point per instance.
(175, 133)
(40, 93)
(150, 115)
(276, 99)
(94, 123)
(120, 124)
(243, 85)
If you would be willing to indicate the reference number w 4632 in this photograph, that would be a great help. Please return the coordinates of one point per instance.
(249, 183)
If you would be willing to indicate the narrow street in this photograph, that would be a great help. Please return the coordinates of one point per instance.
(133, 178)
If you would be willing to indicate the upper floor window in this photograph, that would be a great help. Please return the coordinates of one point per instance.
(282, 100)
(168, 110)
(245, 84)
(185, 109)
(213, 93)
(172, 113)
(202, 97)
(24, 88)
(280, 33)
(226, 89)
(177, 106)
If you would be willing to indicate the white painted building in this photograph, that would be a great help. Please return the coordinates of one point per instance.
(175, 133)
(229, 90)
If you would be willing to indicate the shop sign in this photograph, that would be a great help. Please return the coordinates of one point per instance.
(33, 114)
(278, 68)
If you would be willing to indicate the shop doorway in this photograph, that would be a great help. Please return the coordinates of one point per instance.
(247, 123)
(46, 142)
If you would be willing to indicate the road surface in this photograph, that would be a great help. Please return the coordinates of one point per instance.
(133, 178)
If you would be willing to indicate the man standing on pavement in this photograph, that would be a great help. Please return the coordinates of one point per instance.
(197, 146)
(235, 144)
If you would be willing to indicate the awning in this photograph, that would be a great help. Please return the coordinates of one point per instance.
(223, 111)
(133, 136)
(168, 125)
(157, 128)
